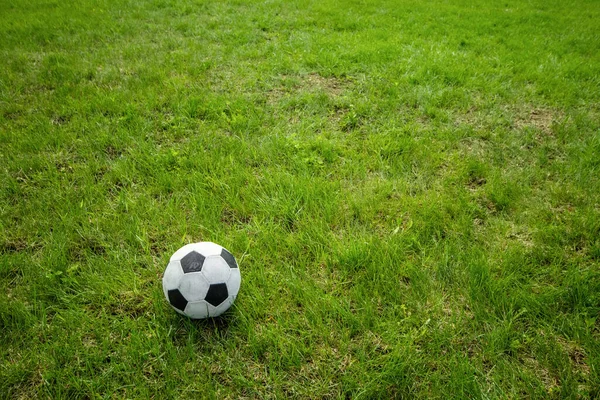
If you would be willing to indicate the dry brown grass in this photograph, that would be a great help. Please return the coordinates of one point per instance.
(311, 83)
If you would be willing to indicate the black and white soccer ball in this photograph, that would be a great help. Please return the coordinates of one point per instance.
(201, 280)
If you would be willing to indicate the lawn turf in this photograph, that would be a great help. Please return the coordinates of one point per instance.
(411, 189)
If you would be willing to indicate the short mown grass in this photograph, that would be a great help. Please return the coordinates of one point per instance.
(411, 189)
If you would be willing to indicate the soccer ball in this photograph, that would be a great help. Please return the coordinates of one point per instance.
(201, 280)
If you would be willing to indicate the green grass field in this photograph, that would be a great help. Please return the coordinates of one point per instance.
(411, 189)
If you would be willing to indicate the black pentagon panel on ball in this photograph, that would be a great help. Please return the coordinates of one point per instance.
(177, 300)
(192, 262)
(229, 258)
(217, 293)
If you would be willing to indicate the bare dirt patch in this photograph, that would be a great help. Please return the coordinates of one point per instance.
(550, 382)
(311, 83)
(331, 85)
(473, 117)
(541, 119)
(518, 117)
(576, 355)
(520, 234)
